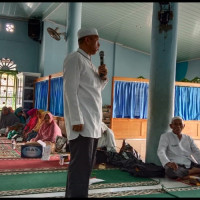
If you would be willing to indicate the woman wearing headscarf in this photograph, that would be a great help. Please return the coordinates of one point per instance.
(34, 132)
(49, 130)
(21, 115)
(17, 128)
(31, 123)
(7, 118)
(11, 110)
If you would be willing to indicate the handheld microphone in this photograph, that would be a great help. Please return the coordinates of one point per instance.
(101, 54)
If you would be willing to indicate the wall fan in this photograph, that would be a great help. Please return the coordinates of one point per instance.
(54, 33)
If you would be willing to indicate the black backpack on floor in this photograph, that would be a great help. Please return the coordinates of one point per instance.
(101, 155)
(128, 161)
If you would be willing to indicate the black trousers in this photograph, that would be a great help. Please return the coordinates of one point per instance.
(82, 160)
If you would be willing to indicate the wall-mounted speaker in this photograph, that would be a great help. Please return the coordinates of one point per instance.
(34, 29)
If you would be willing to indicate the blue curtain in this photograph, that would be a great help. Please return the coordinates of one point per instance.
(187, 102)
(130, 100)
(56, 97)
(41, 95)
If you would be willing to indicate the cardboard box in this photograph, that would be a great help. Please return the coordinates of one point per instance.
(31, 151)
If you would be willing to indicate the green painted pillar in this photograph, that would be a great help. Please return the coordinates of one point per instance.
(73, 25)
(162, 80)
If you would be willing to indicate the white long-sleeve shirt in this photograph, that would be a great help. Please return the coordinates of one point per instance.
(82, 95)
(107, 138)
(171, 149)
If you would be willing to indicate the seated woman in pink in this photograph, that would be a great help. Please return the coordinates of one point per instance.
(48, 131)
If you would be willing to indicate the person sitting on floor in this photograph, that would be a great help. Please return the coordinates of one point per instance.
(175, 151)
(17, 128)
(107, 138)
(11, 109)
(21, 115)
(7, 119)
(34, 131)
(32, 113)
(24, 127)
(49, 130)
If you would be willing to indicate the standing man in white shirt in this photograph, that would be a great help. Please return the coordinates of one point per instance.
(175, 151)
(82, 84)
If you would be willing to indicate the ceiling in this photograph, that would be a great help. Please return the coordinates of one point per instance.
(128, 23)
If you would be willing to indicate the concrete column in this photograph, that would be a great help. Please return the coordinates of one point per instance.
(73, 25)
(162, 81)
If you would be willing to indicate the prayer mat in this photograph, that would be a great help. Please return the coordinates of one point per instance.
(5, 140)
(6, 151)
(31, 164)
(183, 192)
(146, 193)
(55, 181)
(10, 160)
(117, 178)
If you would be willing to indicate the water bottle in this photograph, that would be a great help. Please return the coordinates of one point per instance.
(13, 144)
(61, 160)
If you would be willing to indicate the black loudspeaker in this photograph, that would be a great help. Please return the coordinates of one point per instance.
(34, 29)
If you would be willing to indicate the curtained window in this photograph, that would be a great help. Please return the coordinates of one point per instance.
(130, 100)
(56, 97)
(187, 102)
(41, 95)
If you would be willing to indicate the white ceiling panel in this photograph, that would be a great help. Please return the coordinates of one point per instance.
(126, 23)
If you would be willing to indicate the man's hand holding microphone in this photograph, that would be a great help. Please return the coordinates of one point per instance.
(102, 68)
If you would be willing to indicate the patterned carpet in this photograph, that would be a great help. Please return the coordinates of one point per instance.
(4, 140)
(192, 192)
(115, 178)
(7, 152)
(11, 161)
(31, 165)
(55, 181)
(51, 181)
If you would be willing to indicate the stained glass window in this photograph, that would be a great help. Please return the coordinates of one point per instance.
(7, 64)
(8, 83)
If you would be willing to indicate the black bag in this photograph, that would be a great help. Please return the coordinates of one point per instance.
(126, 150)
(101, 155)
(129, 160)
(126, 155)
